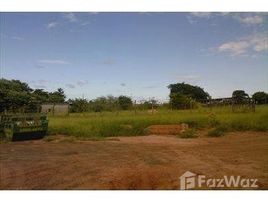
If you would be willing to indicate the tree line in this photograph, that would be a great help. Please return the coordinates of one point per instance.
(109, 103)
(17, 96)
(185, 96)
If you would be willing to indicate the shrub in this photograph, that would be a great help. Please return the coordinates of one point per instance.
(212, 120)
(189, 133)
(217, 132)
(2, 135)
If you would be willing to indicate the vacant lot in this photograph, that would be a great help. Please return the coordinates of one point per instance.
(142, 162)
(129, 123)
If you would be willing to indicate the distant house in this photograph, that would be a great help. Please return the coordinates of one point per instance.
(62, 108)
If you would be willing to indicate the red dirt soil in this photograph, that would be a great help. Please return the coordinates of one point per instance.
(145, 162)
(166, 129)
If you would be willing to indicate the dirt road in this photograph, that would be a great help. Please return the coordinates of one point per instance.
(146, 162)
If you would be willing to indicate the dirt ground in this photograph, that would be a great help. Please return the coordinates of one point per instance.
(144, 162)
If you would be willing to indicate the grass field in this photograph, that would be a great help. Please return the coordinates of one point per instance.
(127, 123)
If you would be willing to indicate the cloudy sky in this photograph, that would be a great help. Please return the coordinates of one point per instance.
(136, 54)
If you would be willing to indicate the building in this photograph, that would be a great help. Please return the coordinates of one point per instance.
(62, 108)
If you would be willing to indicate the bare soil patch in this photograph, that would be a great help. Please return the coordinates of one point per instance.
(166, 129)
(146, 162)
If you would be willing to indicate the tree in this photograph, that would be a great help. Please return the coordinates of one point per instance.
(101, 103)
(185, 96)
(20, 86)
(57, 96)
(195, 92)
(41, 96)
(14, 85)
(124, 102)
(260, 97)
(239, 96)
(180, 101)
(78, 105)
(17, 100)
(152, 103)
(17, 96)
(14, 95)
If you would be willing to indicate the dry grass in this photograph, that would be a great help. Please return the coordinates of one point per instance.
(127, 123)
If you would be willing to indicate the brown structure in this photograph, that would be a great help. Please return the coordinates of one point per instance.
(55, 108)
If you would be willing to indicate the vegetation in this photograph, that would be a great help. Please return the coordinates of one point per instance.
(260, 97)
(100, 104)
(78, 105)
(113, 123)
(16, 96)
(185, 96)
(239, 96)
(189, 133)
(117, 116)
(124, 102)
(217, 132)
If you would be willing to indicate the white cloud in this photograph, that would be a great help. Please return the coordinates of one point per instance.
(245, 46)
(93, 13)
(246, 18)
(201, 14)
(223, 13)
(250, 20)
(60, 62)
(259, 42)
(71, 17)
(52, 25)
(67, 18)
(193, 16)
(243, 18)
(235, 48)
(85, 23)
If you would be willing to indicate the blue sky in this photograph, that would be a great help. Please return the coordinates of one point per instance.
(136, 54)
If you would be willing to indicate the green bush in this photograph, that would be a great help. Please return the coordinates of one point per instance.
(217, 132)
(2, 135)
(212, 120)
(189, 133)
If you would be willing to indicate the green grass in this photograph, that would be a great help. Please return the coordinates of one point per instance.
(127, 123)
